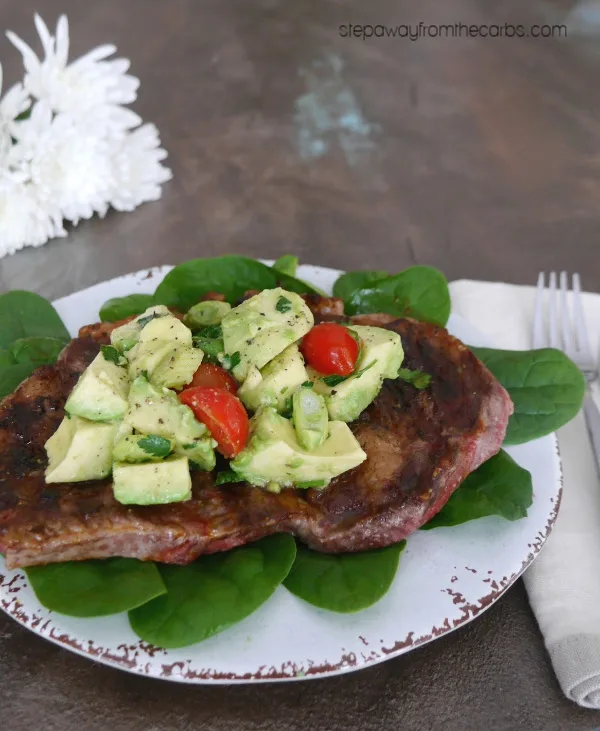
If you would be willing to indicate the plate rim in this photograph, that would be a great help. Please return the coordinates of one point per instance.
(328, 669)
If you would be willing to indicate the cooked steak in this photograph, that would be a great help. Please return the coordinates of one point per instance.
(420, 446)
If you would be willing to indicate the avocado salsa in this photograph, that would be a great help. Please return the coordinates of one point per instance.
(133, 411)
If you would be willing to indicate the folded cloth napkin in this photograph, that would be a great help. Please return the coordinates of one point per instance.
(563, 583)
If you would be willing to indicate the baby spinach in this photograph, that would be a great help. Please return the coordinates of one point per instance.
(498, 487)
(95, 588)
(36, 350)
(344, 582)
(11, 376)
(546, 387)
(25, 314)
(347, 283)
(418, 379)
(214, 592)
(420, 292)
(118, 308)
(287, 264)
(230, 275)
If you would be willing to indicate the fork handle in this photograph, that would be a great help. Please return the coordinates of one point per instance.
(592, 418)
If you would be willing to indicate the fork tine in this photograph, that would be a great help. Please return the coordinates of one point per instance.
(583, 343)
(565, 325)
(552, 313)
(539, 339)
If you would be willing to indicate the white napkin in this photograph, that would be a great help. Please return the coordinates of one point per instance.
(564, 582)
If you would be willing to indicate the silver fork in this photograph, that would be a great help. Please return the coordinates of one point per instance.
(567, 331)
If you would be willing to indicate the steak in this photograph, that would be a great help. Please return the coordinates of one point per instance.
(420, 446)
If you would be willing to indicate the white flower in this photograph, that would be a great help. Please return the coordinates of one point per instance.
(137, 169)
(15, 102)
(23, 221)
(88, 83)
(68, 162)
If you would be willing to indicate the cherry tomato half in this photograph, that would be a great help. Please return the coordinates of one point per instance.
(224, 415)
(330, 349)
(214, 376)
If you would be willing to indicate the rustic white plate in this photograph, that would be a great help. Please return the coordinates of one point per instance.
(446, 577)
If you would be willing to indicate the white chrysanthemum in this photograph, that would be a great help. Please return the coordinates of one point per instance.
(88, 83)
(23, 220)
(69, 163)
(14, 103)
(138, 172)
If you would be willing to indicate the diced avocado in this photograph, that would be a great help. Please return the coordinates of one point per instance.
(274, 454)
(101, 392)
(201, 452)
(381, 357)
(262, 327)
(153, 483)
(142, 448)
(177, 368)
(157, 341)
(206, 313)
(310, 418)
(154, 410)
(275, 383)
(80, 450)
(126, 336)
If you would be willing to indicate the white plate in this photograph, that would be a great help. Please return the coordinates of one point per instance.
(446, 577)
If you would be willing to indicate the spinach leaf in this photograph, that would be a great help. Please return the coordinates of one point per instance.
(283, 305)
(12, 376)
(118, 308)
(95, 588)
(343, 582)
(214, 592)
(287, 264)
(347, 283)
(231, 275)
(36, 350)
(499, 487)
(418, 379)
(546, 387)
(420, 292)
(156, 446)
(25, 314)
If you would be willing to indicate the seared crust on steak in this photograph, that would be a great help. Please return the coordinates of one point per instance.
(420, 446)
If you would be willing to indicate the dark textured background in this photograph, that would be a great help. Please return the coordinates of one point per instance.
(483, 160)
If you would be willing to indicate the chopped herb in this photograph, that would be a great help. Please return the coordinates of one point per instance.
(67, 415)
(311, 483)
(211, 347)
(283, 305)
(189, 446)
(144, 374)
(212, 331)
(111, 354)
(227, 476)
(155, 445)
(143, 321)
(231, 361)
(365, 369)
(307, 384)
(334, 380)
(418, 379)
(287, 410)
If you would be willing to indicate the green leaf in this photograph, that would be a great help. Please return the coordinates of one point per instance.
(230, 275)
(287, 264)
(37, 351)
(231, 361)
(347, 283)
(118, 308)
(546, 387)
(111, 354)
(211, 347)
(227, 476)
(12, 376)
(418, 379)
(155, 445)
(25, 314)
(214, 592)
(307, 384)
(420, 292)
(499, 487)
(343, 582)
(283, 305)
(95, 588)
(334, 380)
(211, 331)
(143, 321)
